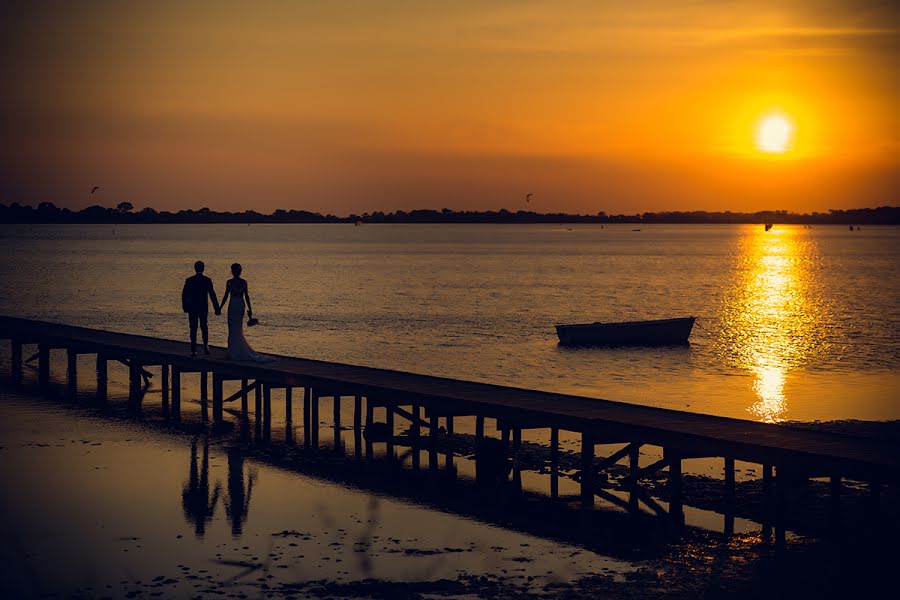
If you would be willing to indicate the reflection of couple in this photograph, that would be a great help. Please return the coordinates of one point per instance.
(198, 290)
(199, 508)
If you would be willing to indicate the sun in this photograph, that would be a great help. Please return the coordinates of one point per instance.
(774, 134)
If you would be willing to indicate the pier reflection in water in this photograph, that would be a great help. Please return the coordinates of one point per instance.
(775, 319)
(387, 471)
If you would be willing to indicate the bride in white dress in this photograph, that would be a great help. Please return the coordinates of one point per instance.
(236, 289)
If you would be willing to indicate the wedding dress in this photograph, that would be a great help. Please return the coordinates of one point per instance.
(238, 347)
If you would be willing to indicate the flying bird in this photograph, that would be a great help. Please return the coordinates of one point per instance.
(94, 189)
(528, 197)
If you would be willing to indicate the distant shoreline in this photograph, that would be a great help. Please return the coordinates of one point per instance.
(124, 213)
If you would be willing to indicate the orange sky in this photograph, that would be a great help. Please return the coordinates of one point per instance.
(359, 106)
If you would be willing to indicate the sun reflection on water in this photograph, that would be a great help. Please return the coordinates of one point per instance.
(773, 318)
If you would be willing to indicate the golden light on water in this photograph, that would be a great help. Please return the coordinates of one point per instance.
(774, 320)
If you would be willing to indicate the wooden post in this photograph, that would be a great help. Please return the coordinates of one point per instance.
(416, 432)
(370, 418)
(15, 363)
(479, 429)
(517, 470)
(307, 408)
(176, 393)
(314, 419)
(289, 414)
(768, 510)
(781, 484)
(337, 412)
(432, 441)
(217, 398)
(71, 372)
(204, 396)
(634, 464)
(554, 463)
(587, 470)
(357, 426)
(337, 422)
(728, 511)
(389, 421)
(676, 508)
(245, 400)
(43, 365)
(267, 412)
(102, 379)
(835, 504)
(164, 374)
(134, 382)
(258, 410)
(448, 458)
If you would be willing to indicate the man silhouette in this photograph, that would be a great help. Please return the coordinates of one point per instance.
(194, 302)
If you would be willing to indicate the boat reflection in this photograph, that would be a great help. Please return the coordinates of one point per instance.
(774, 319)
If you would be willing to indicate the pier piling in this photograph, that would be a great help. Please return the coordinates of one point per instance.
(681, 435)
(587, 470)
(71, 372)
(43, 365)
(15, 363)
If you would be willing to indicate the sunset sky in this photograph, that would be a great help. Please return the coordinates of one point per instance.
(344, 106)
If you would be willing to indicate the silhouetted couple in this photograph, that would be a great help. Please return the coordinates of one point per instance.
(198, 290)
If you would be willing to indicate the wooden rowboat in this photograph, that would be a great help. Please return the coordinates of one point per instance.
(661, 332)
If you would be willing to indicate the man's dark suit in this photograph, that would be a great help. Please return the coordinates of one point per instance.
(197, 289)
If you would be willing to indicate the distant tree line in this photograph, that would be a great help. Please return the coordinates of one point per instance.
(124, 212)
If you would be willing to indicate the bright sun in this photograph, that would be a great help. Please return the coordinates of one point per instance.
(774, 133)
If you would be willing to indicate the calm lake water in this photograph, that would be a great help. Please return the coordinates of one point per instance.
(97, 502)
(793, 324)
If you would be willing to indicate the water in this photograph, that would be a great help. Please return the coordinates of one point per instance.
(793, 324)
(99, 507)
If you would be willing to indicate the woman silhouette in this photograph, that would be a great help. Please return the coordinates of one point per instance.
(236, 289)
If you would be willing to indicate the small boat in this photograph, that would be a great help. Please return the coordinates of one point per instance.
(768, 226)
(662, 332)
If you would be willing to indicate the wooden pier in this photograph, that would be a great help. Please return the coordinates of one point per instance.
(785, 453)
